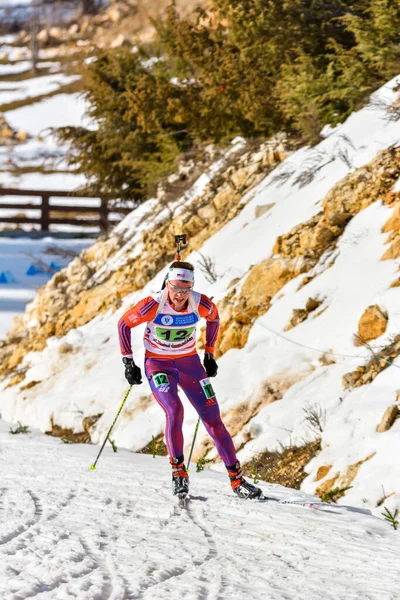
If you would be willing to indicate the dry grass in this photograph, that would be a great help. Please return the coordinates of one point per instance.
(155, 447)
(285, 467)
(69, 436)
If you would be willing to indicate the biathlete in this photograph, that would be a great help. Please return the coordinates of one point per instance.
(171, 360)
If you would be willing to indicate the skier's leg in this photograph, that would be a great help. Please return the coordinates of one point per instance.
(194, 382)
(197, 387)
(162, 377)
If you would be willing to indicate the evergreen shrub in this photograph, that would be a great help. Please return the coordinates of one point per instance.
(243, 67)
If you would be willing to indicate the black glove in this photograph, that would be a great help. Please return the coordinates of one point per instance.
(210, 365)
(133, 374)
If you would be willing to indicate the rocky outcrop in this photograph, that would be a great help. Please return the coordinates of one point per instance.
(299, 250)
(311, 239)
(390, 415)
(301, 314)
(261, 209)
(348, 197)
(94, 282)
(238, 419)
(322, 472)
(90, 285)
(392, 227)
(238, 310)
(69, 436)
(334, 488)
(367, 373)
(372, 324)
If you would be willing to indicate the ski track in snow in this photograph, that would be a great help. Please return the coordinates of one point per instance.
(118, 534)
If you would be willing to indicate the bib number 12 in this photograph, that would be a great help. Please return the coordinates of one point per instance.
(174, 335)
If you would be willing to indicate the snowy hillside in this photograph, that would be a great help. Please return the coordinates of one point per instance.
(304, 361)
(32, 105)
(30, 158)
(300, 250)
(117, 533)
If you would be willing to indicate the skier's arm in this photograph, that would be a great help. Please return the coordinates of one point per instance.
(209, 311)
(142, 312)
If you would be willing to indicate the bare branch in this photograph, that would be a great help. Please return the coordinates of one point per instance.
(43, 265)
(315, 416)
(64, 252)
(207, 267)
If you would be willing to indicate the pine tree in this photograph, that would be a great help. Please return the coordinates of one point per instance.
(318, 89)
(241, 51)
(244, 67)
(138, 130)
(377, 35)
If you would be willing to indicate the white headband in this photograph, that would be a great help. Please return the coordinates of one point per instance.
(180, 274)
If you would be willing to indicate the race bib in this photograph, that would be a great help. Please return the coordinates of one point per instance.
(161, 382)
(207, 388)
(173, 335)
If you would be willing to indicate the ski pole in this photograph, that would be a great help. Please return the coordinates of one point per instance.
(194, 439)
(93, 466)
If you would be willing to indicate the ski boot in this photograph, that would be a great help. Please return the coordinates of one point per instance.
(180, 477)
(240, 486)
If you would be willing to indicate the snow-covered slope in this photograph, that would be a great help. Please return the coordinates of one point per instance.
(115, 533)
(32, 104)
(357, 278)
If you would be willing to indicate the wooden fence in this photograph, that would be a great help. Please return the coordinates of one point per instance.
(48, 211)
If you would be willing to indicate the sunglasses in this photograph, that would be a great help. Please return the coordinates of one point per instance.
(179, 289)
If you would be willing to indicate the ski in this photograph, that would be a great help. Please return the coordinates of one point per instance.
(292, 501)
(302, 502)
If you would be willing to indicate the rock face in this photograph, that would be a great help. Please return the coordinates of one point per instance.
(332, 489)
(392, 226)
(312, 238)
(367, 373)
(238, 311)
(323, 472)
(301, 314)
(89, 285)
(389, 417)
(300, 249)
(372, 324)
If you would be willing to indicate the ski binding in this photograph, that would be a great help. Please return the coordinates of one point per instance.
(183, 499)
